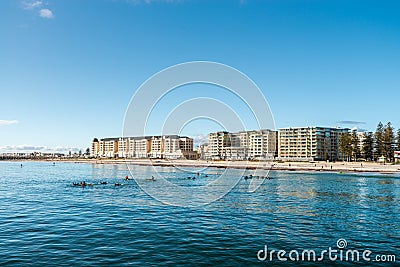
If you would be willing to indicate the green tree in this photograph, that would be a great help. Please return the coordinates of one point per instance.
(368, 146)
(87, 151)
(398, 139)
(378, 147)
(345, 146)
(388, 140)
(355, 145)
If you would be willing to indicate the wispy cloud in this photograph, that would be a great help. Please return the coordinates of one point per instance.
(46, 13)
(351, 122)
(200, 139)
(33, 148)
(31, 4)
(8, 122)
(39, 8)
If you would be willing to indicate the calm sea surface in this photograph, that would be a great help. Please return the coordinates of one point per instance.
(45, 221)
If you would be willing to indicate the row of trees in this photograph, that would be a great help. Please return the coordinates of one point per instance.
(383, 142)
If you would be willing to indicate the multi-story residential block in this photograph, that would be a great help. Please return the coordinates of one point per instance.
(202, 151)
(176, 147)
(142, 146)
(110, 147)
(123, 147)
(173, 147)
(156, 147)
(131, 148)
(95, 148)
(309, 143)
(261, 144)
(216, 144)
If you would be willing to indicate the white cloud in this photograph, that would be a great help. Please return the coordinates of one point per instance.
(8, 122)
(31, 4)
(38, 6)
(46, 13)
(200, 139)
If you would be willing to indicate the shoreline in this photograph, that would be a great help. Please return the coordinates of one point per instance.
(336, 167)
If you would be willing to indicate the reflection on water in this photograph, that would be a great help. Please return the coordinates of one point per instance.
(46, 220)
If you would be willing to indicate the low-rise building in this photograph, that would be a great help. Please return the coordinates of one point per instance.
(397, 156)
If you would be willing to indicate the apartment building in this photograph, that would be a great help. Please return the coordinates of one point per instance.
(173, 147)
(202, 151)
(96, 148)
(261, 144)
(142, 146)
(176, 147)
(309, 143)
(156, 147)
(216, 143)
(123, 147)
(110, 147)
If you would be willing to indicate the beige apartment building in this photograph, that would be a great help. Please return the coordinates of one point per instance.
(110, 147)
(96, 148)
(171, 147)
(175, 147)
(309, 143)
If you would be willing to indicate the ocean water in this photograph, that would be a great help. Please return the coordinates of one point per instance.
(46, 221)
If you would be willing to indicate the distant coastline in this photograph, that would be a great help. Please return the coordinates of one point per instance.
(338, 167)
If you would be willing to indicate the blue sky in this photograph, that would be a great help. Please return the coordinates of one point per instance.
(69, 68)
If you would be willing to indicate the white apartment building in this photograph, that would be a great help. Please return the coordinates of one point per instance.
(142, 146)
(261, 145)
(123, 147)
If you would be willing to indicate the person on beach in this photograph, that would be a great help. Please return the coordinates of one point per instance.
(127, 178)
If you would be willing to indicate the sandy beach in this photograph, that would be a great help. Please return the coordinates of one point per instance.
(277, 166)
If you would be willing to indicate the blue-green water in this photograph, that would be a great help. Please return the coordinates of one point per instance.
(45, 221)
